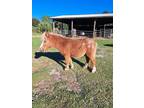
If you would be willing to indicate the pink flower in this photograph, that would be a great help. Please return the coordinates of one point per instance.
(56, 75)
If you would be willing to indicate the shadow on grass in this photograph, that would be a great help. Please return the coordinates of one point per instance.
(56, 56)
(109, 45)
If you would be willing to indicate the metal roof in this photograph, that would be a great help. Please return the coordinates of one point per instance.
(83, 16)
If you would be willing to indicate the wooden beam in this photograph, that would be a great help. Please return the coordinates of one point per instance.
(62, 25)
(94, 29)
(104, 30)
(53, 23)
(72, 27)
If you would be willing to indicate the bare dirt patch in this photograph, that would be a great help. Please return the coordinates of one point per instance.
(38, 63)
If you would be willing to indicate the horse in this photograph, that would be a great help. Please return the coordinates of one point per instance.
(71, 47)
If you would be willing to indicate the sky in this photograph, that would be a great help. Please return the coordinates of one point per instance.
(69, 7)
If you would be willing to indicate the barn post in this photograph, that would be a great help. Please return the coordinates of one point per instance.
(53, 23)
(104, 31)
(72, 27)
(62, 29)
(94, 29)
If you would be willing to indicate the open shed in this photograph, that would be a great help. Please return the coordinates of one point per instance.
(100, 25)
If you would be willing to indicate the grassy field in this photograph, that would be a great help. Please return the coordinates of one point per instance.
(77, 88)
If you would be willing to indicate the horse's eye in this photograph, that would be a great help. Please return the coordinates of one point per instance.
(44, 41)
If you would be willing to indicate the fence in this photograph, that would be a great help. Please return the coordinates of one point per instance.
(106, 33)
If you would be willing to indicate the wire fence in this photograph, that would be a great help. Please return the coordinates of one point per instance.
(106, 33)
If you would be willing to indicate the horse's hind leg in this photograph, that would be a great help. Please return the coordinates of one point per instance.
(91, 56)
(94, 65)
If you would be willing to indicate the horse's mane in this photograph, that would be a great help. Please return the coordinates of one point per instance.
(55, 34)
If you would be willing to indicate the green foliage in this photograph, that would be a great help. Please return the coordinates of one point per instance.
(65, 26)
(45, 19)
(45, 25)
(35, 22)
(61, 25)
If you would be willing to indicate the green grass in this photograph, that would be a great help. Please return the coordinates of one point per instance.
(96, 89)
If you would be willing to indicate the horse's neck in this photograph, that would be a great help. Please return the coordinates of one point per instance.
(57, 42)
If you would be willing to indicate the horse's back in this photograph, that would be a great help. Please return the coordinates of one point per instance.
(79, 46)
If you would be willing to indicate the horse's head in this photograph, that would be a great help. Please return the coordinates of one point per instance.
(45, 42)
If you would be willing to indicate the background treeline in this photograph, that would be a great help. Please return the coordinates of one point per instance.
(45, 24)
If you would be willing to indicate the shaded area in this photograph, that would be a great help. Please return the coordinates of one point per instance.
(109, 45)
(56, 56)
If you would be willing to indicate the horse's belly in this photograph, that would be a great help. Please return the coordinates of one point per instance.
(78, 53)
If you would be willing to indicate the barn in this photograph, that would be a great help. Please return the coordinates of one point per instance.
(99, 25)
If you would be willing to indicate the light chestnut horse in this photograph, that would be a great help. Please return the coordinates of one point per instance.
(71, 47)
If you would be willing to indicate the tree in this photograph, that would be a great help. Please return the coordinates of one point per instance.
(44, 27)
(45, 24)
(46, 19)
(35, 22)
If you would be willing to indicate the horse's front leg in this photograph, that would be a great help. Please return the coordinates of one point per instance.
(67, 61)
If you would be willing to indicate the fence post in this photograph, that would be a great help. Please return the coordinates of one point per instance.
(53, 26)
(94, 29)
(104, 30)
(72, 27)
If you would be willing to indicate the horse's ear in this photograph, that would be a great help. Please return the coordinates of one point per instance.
(47, 34)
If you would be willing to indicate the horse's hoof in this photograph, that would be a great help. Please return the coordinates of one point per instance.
(66, 69)
(85, 67)
(94, 70)
(72, 67)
